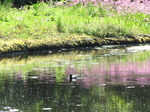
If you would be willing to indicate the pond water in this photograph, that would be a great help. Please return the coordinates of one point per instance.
(110, 79)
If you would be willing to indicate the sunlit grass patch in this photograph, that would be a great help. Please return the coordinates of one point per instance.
(43, 20)
(47, 21)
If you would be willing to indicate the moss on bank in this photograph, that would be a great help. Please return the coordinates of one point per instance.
(26, 45)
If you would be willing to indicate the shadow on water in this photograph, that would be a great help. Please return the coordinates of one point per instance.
(109, 80)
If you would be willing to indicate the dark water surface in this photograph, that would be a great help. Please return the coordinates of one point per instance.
(110, 79)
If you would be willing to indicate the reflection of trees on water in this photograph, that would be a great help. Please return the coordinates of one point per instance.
(104, 85)
(33, 95)
(138, 96)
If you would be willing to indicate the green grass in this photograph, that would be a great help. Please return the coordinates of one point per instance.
(43, 26)
(46, 21)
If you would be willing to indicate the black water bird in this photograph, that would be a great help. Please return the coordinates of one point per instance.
(72, 77)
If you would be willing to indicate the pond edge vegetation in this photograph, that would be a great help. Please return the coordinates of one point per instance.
(27, 45)
(44, 26)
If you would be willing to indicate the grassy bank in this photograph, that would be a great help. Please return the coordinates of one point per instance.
(28, 45)
(44, 25)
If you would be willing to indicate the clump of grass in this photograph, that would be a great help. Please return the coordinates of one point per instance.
(59, 25)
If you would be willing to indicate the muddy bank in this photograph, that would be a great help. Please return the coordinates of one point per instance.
(27, 45)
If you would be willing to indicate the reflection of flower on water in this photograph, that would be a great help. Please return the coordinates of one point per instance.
(119, 73)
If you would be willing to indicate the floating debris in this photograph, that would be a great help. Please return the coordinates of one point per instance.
(7, 107)
(34, 77)
(13, 110)
(130, 87)
(63, 49)
(46, 108)
(50, 52)
(103, 84)
(97, 48)
(79, 105)
(94, 63)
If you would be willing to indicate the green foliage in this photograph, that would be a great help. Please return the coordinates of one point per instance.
(41, 20)
(60, 26)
